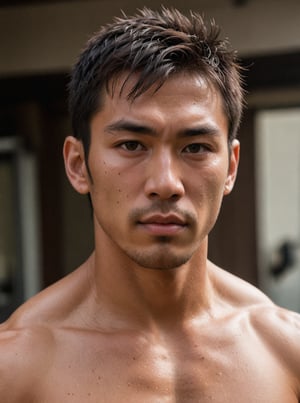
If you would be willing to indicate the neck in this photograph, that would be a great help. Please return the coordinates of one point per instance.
(126, 293)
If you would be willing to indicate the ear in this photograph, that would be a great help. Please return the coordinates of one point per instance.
(233, 166)
(75, 164)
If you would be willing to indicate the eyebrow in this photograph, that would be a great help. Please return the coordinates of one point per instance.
(129, 126)
(133, 127)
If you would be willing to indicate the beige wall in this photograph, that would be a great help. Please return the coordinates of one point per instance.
(278, 191)
(47, 38)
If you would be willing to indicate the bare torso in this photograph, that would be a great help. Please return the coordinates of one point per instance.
(244, 352)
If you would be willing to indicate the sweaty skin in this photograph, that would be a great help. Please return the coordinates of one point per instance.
(147, 318)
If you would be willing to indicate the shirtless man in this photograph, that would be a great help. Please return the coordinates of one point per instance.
(156, 102)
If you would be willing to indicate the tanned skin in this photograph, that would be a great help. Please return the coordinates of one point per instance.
(147, 318)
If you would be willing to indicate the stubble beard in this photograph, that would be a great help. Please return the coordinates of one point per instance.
(161, 258)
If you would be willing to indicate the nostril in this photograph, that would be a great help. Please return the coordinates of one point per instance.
(173, 197)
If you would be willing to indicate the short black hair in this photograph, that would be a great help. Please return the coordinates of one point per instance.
(156, 45)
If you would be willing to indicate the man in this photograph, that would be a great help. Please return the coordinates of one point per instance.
(155, 102)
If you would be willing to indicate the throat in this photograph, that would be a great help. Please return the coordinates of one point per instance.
(132, 293)
(169, 297)
(174, 296)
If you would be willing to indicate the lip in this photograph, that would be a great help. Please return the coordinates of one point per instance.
(163, 225)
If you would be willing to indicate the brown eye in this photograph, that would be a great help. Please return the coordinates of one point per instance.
(194, 148)
(132, 146)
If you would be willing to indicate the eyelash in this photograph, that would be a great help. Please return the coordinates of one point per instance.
(126, 145)
(198, 146)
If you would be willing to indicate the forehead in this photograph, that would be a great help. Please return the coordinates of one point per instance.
(187, 85)
(127, 86)
(183, 99)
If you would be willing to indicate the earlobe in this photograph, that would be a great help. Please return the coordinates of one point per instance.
(233, 166)
(75, 164)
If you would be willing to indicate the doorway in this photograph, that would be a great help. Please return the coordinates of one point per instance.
(19, 249)
(278, 204)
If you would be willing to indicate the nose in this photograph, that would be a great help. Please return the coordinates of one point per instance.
(163, 177)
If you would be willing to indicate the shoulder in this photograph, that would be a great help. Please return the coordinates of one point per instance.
(28, 338)
(280, 331)
(25, 353)
(277, 328)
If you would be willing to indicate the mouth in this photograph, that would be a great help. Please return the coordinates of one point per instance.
(163, 225)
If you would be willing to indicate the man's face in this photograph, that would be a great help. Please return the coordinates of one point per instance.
(159, 168)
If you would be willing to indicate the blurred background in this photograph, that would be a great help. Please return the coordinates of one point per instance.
(46, 228)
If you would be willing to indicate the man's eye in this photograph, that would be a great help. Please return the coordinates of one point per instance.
(132, 146)
(195, 148)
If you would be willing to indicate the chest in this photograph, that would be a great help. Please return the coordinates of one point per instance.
(138, 370)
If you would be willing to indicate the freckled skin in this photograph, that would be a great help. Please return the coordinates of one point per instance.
(147, 318)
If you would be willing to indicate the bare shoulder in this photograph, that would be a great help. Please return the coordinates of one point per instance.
(27, 338)
(25, 353)
(280, 330)
(277, 328)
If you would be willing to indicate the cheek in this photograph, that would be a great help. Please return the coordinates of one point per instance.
(217, 176)
(210, 187)
(109, 188)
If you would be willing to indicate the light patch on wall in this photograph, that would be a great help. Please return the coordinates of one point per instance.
(278, 204)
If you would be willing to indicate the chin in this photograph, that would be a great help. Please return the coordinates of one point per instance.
(162, 260)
